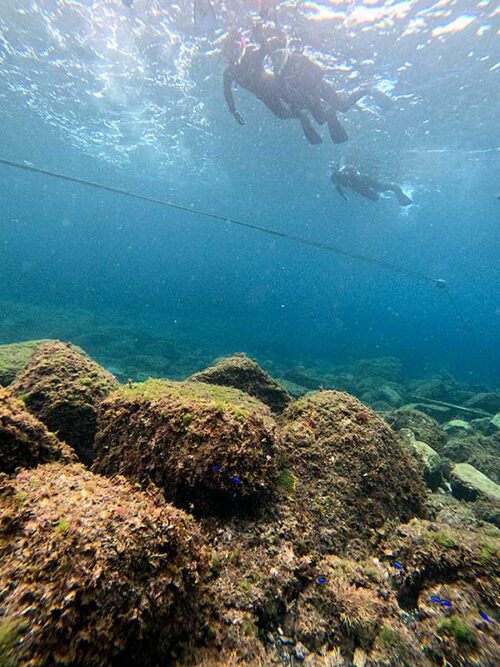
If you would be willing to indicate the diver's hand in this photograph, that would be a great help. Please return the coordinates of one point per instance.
(238, 117)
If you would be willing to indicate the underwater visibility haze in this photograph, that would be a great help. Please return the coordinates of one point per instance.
(131, 96)
(315, 184)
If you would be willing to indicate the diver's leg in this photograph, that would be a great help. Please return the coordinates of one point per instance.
(337, 132)
(318, 110)
(309, 132)
(341, 102)
(269, 95)
(370, 194)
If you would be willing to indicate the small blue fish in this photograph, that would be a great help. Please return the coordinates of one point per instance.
(128, 3)
(236, 479)
(217, 468)
(321, 580)
(438, 600)
(397, 565)
(485, 616)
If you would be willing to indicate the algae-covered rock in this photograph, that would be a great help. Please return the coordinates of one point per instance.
(350, 473)
(477, 450)
(92, 572)
(210, 446)
(434, 467)
(25, 441)
(486, 401)
(425, 428)
(468, 484)
(388, 368)
(63, 387)
(14, 358)
(245, 374)
(456, 427)
(433, 553)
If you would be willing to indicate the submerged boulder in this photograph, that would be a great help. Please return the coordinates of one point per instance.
(447, 586)
(468, 484)
(477, 450)
(388, 368)
(63, 387)
(93, 572)
(435, 468)
(348, 470)
(426, 429)
(24, 441)
(14, 358)
(241, 372)
(208, 447)
(488, 402)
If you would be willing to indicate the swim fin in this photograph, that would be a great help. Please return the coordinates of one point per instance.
(403, 199)
(337, 132)
(309, 132)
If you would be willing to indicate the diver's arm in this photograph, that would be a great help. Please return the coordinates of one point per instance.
(228, 94)
(341, 192)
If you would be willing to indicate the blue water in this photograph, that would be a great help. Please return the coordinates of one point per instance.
(132, 97)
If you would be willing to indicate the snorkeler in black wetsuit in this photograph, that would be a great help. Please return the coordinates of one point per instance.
(302, 85)
(245, 66)
(371, 188)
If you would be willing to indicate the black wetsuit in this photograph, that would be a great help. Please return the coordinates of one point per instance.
(371, 188)
(250, 74)
(302, 85)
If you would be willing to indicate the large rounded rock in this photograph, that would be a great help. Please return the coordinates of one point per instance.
(468, 484)
(209, 448)
(349, 472)
(425, 428)
(241, 372)
(92, 572)
(63, 387)
(14, 358)
(25, 441)
(434, 467)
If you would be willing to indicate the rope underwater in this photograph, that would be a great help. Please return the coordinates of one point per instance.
(438, 282)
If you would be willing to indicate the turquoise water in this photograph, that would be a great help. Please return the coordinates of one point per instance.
(132, 97)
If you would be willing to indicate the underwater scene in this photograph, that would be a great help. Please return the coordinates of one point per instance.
(249, 333)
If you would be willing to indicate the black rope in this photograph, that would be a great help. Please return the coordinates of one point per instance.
(220, 218)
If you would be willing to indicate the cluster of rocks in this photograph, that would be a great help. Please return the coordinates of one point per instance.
(216, 521)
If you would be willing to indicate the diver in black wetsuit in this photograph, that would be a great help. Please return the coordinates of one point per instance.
(302, 85)
(245, 66)
(371, 188)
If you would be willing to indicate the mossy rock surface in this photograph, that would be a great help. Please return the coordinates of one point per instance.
(477, 450)
(63, 387)
(468, 484)
(435, 468)
(93, 572)
(209, 448)
(352, 473)
(425, 428)
(24, 440)
(14, 358)
(241, 372)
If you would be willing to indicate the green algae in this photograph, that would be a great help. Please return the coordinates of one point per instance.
(460, 631)
(287, 481)
(15, 357)
(489, 552)
(443, 539)
(10, 633)
(187, 419)
(220, 398)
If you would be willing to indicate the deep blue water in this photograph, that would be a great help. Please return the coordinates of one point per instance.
(133, 98)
